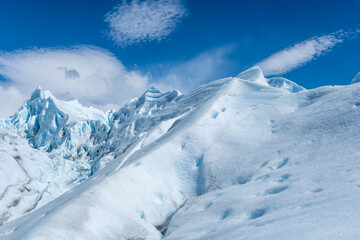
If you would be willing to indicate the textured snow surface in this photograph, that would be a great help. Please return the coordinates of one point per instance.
(239, 158)
(25, 176)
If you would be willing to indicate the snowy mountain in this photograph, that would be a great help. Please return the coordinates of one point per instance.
(76, 140)
(55, 129)
(239, 158)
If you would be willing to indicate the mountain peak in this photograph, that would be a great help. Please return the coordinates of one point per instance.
(42, 94)
(38, 93)
(153, 89)
(43, 110)
(253, 74)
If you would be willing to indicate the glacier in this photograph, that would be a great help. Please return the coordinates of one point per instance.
(243, 157)
(79, 140)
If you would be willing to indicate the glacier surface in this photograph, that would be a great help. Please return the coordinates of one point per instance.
(239, 158)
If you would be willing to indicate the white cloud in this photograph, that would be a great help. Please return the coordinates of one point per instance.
(144, 20)
(207, 66)
(10, 100)
(90, 74)
(96, 77)
(301, 53)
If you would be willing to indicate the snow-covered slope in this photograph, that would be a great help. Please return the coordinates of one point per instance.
(239, 158)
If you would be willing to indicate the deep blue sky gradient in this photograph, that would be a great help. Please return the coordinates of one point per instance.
(254, 29)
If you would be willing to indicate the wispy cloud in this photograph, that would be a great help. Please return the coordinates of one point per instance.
(10, 99)
(204, 67)
(301, 53)
(144, 20)
(90, 74)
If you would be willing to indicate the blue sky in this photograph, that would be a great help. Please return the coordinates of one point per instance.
(178, 44)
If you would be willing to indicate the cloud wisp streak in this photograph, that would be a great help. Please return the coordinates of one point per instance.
(202, 68)
(92, 75)
(143, 21)
(304, 52)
